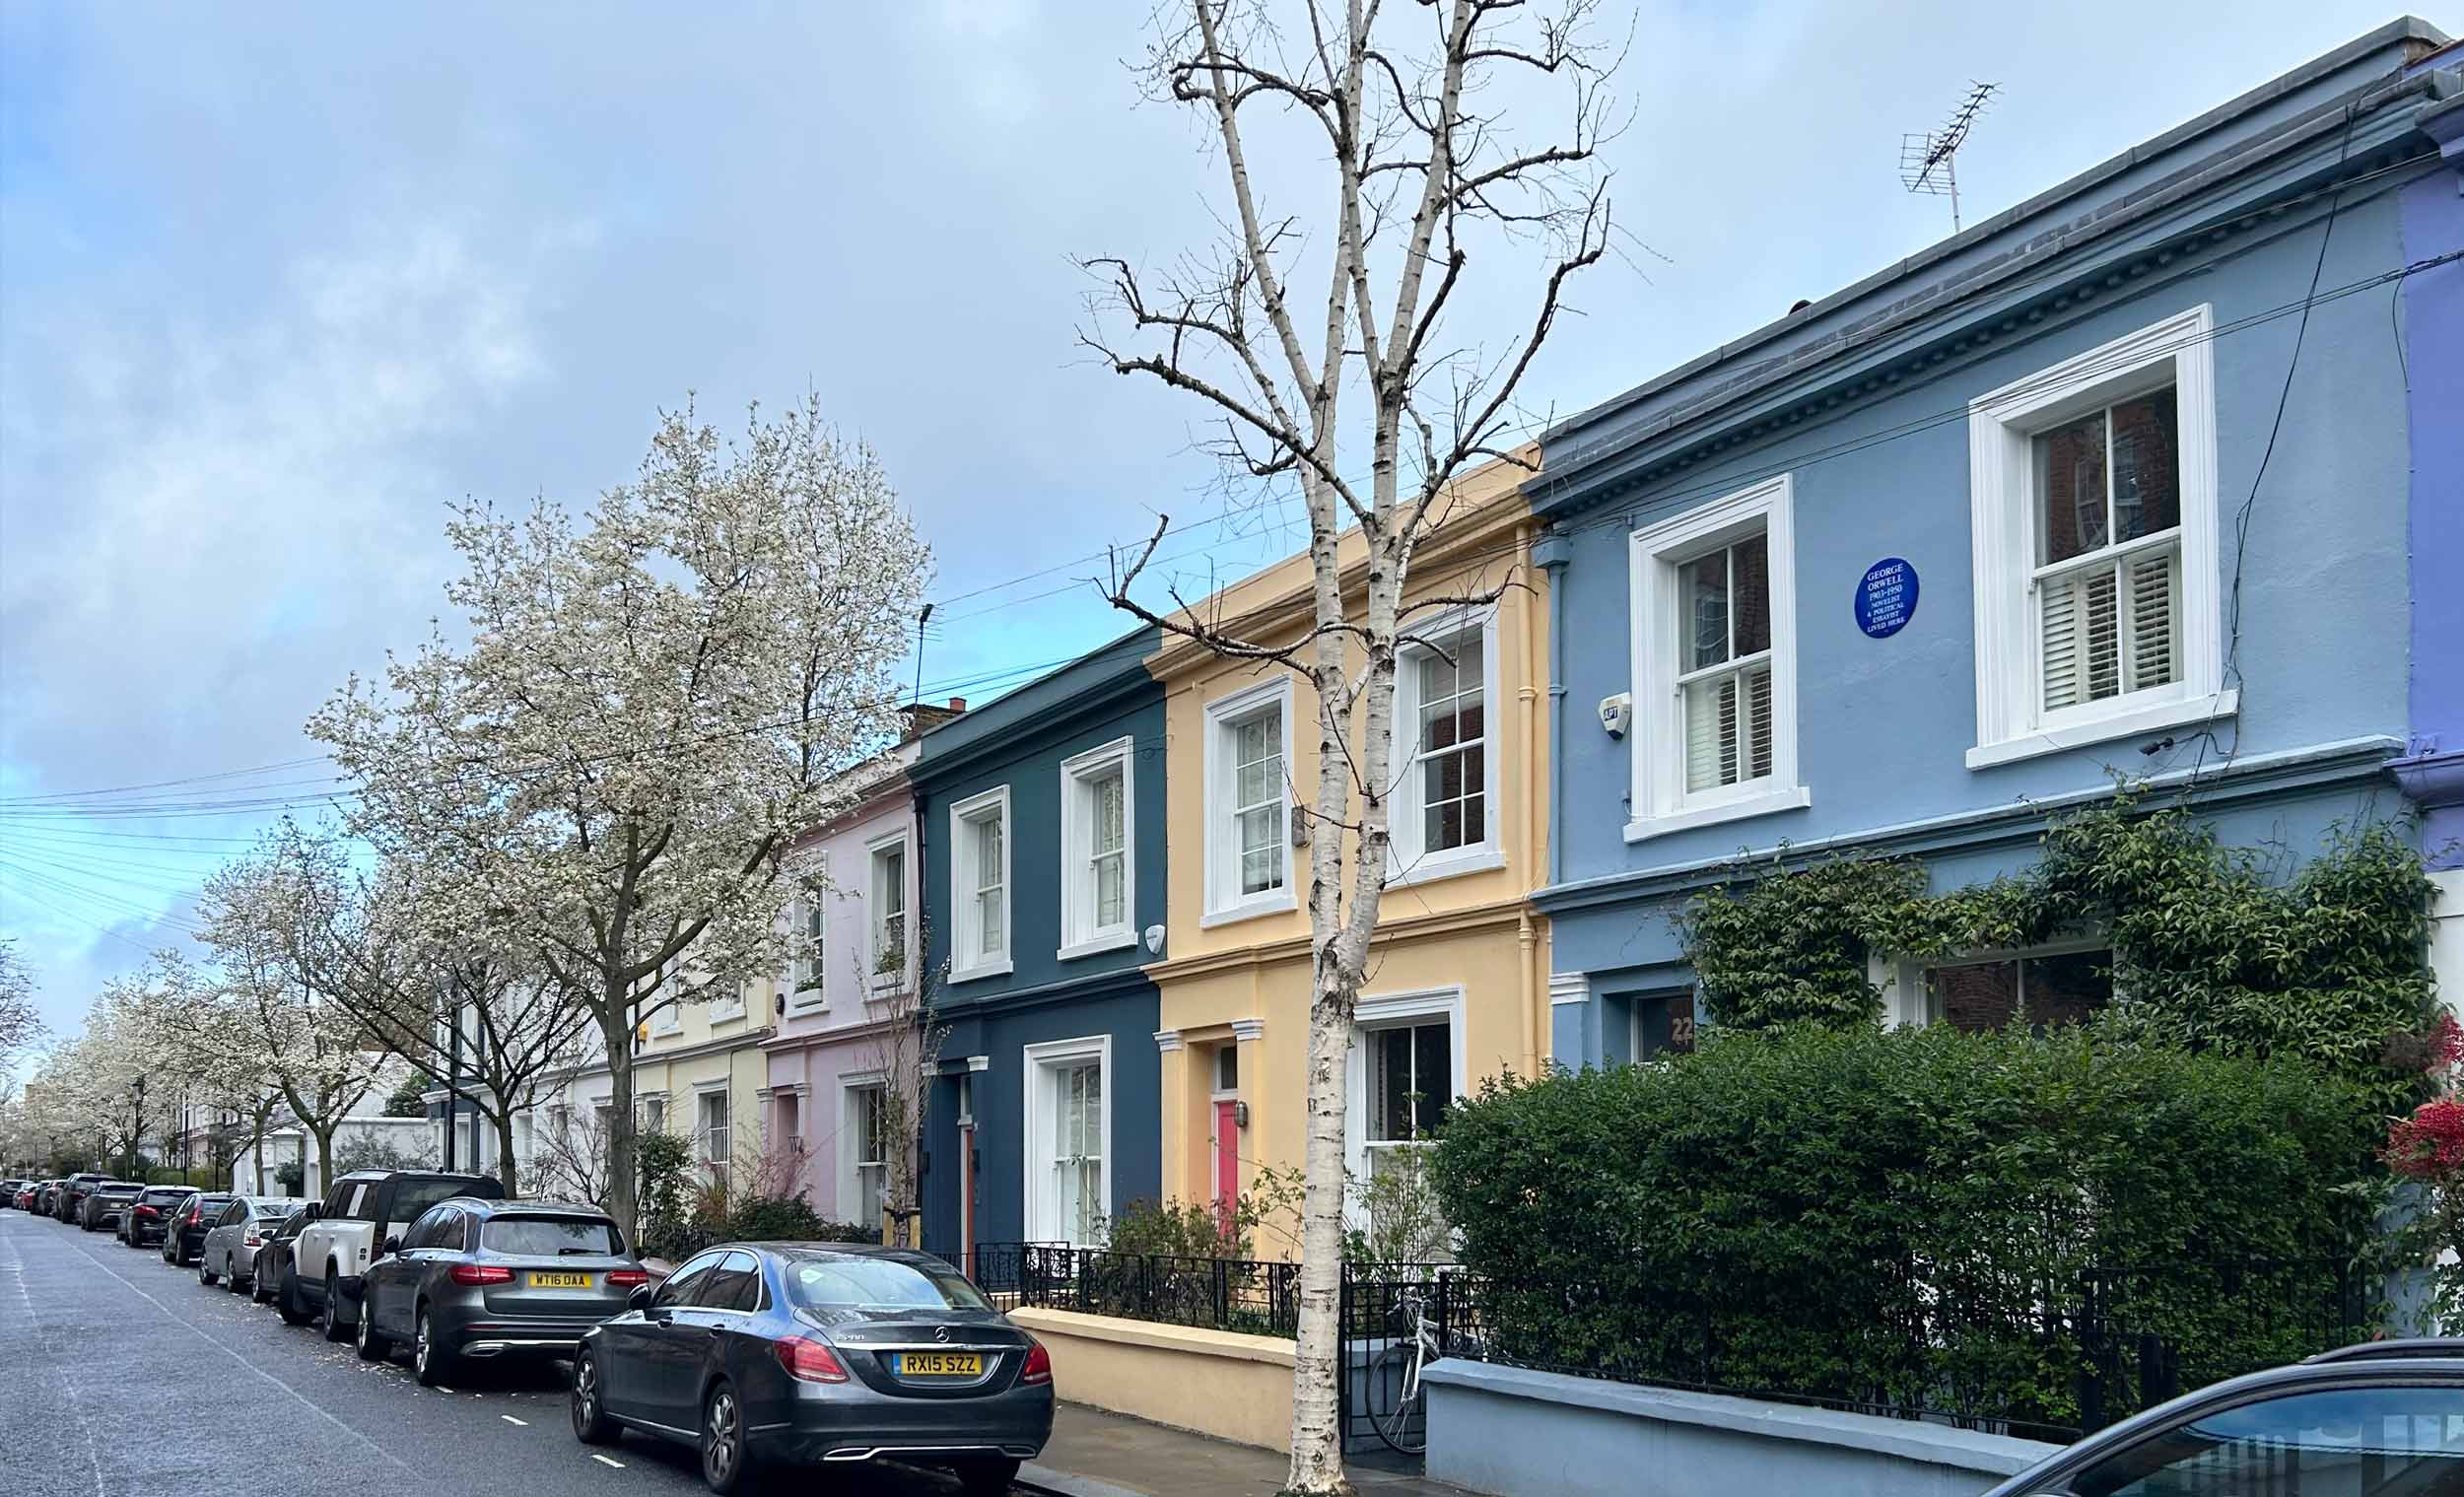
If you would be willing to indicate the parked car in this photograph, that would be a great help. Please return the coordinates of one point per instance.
(149, 1215)
(229, 1251)
(803, 1353)
(107, 1203)
(48, 1198)
(362, 1210)
(273, 1259)
(8, 1191)
(493, 1278)
(29, 1194)
(2358, 1420)
(185, 1232)
(72, 1193)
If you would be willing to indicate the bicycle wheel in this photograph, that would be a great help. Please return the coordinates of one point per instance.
(1393, 1416)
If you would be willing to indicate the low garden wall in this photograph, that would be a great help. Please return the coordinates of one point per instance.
(1518, 1433)
(1218, 1382)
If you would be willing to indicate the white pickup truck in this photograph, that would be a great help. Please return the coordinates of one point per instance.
(345, 1231)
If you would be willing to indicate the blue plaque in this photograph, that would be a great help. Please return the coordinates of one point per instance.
(1886, 598)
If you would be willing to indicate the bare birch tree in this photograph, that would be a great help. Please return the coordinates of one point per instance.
(906, 1046)
(1400, 114)
(655, 696)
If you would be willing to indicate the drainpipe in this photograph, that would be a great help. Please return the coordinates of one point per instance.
(1551, 553)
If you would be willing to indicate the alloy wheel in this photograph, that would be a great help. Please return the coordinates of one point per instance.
(723, 1440)
(421, 1345)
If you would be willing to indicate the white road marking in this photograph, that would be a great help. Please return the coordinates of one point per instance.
(509, 1419)
(603, 1460)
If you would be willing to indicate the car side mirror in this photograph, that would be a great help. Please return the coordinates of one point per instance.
(639, 1299)
(392, 1246)
(311, 1212)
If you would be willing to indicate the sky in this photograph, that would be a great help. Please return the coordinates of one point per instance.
(278, 283)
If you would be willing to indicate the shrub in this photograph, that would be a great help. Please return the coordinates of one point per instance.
(1203, 1228)
(1911, 1216)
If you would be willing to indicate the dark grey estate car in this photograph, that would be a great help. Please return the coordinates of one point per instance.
(2353, 1422)
(107, 1203)
(808, 1353)
(493, 1278)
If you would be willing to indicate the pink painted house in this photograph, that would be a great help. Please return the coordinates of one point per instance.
(837, 1010)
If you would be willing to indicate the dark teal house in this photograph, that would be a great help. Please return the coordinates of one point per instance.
(1042, 819)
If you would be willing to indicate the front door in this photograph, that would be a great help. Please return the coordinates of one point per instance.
(1227, 1159)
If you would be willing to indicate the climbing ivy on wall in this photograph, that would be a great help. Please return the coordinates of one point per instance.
(2330, 964)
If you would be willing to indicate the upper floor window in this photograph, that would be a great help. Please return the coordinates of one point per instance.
(980, 885)
(2093, 496)
(1715, 663)
(808, 931)
(1247, 791)
(1444, 808)
(667, 994)
(885, 911)
(1096, 864)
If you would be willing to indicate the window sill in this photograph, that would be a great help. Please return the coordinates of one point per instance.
(1281, 901)
(1643, 829)
(1096, 945)
(1000, 969)
(2127, 723)
(1450, 864)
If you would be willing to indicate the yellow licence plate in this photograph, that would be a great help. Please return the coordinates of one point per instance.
(560, 1281)
(941, 1364)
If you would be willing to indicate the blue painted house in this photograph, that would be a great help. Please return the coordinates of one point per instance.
(1041, 820)
(2097, 487)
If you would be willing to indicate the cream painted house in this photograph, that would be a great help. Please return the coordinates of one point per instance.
(1457, 986)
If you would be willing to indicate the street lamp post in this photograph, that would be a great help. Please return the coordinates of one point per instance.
(137, 1125)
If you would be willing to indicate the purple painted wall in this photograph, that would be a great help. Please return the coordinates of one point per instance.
(2433, 312)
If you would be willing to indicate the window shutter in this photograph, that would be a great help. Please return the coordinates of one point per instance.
(2153, 628)
(2081, 652)
(1710, 733)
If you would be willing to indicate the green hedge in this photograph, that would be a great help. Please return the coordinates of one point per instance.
(1913, 1216)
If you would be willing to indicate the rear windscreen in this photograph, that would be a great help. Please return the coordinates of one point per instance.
(414, 1196)
(550, 1236)
(867, 1283)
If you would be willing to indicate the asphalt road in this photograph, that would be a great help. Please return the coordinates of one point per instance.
(121, 1376)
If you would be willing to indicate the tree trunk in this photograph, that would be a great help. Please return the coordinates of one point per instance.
(1317, 1361)
(623, 1183)
(324, 1132)
(504, 1166)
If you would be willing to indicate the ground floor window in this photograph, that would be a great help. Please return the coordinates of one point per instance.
(1068, 1181)
(2040, 990)
(870, 1149)
(716, 1139)
(1408, 1081)
(1663, 1026)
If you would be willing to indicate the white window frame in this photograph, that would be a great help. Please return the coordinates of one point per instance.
(1224, 901)
(1043, 1062)
(669, 1019)
(1661, 802)
(852, 1090)
(1080, 934)
(730, 1006)
(1392, 1012)
(875, 980)
(702, 1129)
(2011, 722)
(1410, 862)
(812, 892)
(968, 959)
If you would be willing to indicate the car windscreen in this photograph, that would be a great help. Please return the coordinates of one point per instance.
(550, 1236)
(877, 1283)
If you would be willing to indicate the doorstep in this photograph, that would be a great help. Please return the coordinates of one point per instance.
(1094, 1454)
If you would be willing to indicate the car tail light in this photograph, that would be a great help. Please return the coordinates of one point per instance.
(251, 1240)
(1039, 1368)
(628, 1279)
(148, 1211)
(479, 1273)
(807, 1360)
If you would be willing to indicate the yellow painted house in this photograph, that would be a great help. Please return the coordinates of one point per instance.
(1458, 982)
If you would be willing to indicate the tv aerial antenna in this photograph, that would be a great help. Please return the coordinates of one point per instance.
(1928, 160)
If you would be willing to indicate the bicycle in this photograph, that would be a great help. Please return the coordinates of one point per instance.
(1397, 1372)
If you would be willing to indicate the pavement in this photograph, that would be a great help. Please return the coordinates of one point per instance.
(1094, 1454)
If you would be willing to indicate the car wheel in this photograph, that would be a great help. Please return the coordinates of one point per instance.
(432, 1361)
(257, 1292)
(724, 1455)
(205, 1274)
(987, 1477)
(591, 1425)
(368, 1342)
(232, 1281)
(329, 1319)
(287, 1305)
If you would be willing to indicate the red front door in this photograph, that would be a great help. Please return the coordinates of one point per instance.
(1227, 1156)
